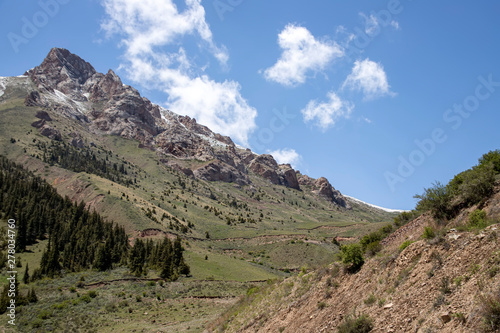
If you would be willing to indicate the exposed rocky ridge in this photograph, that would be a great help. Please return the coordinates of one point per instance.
(323, 188)
(438, 285)
(67, 84)
(266, 166)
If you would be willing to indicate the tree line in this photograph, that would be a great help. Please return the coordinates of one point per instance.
(83, 160)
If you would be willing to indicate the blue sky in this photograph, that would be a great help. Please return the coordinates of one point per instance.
(381, 97)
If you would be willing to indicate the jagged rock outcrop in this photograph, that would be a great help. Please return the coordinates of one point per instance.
(38, 124)
(219, 171)
(68, 84)
(63, 71)
(288, 176)
(34, 99)
(50, 132)
(43, 115)
(266, 166)
(324, 189)
(76, 140)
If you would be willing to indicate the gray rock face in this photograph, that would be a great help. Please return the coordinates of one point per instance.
(326, 190)
(50, 132)
(323, 188)
(289, 176)
(43, 115)
(219, 171)
(266, 166)
(63, 71)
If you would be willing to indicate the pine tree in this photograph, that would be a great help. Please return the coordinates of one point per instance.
(32, 298)
(103, 258)
(167, 269)
(26, 276)
(21, 233)
(184, 268)
(137, 258)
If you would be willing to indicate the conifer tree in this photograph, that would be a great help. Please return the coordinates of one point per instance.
(32, 298)
(137, 258)
(26, 276)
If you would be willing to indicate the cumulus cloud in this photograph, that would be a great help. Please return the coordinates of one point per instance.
(147, 28)
(149, 23)
(286, 156)
(302, 53)
(368, 77)
(326, 114)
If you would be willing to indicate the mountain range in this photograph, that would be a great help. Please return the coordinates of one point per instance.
(67, 84)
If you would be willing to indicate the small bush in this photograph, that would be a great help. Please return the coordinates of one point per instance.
(110, 307)
(44, 314)
(352, 324)
(477, 219)
(490, 311)
(321, 305)
(460, 317)
(370, 300)
(493, 271)
(435, 199)
(440, 300)
(373, 248)
(372, 237)
(478, 184)
(37, 323)
(428, 233)
(404, 218)
(445, 285)
(352, 256)
(405, 244)
(86, 298)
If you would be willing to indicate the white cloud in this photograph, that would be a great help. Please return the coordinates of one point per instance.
(373, 23)
(286, 156)
(149, 23)
(369, 77)
(395, 24)
(147, 27)
(302, 53)
(326, 114)
(366, 120)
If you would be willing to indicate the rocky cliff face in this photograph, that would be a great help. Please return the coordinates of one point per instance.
(323, 188)
(67, 84)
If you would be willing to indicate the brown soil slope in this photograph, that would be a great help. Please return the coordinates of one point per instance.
(436, 285)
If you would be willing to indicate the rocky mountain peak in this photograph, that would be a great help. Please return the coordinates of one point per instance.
(61, 70)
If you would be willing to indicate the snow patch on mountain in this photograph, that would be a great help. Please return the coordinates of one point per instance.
(61, 98)
(374, 206)
(214, 143)
(2, 85)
